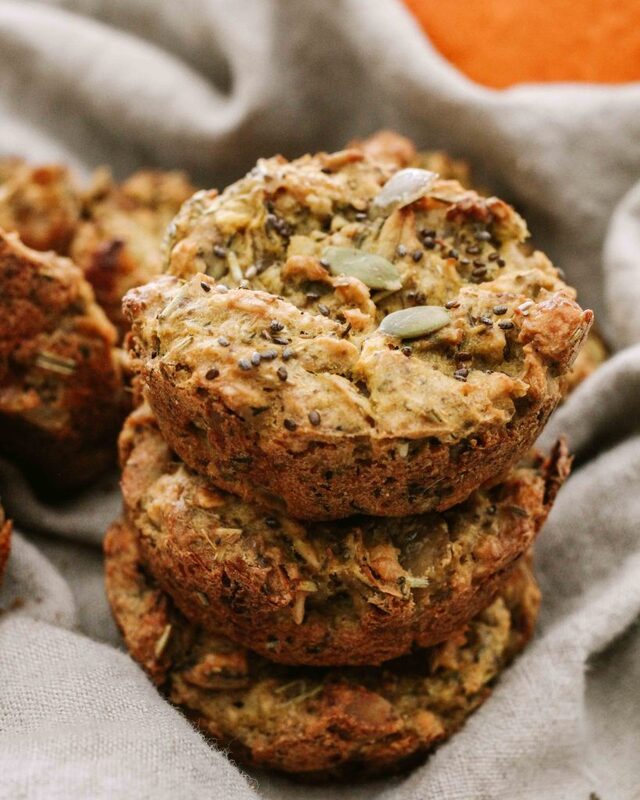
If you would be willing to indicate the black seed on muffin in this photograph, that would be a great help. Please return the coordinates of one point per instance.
(499, 310)
(417, 255)
(505, 324)
(269, 355)
(477, 262)
(501, 262)
(288, 353)
(493, 256)
(463, 356)
(282, 373)
(280, 340)
(486, 320)
(244, 364)
(323, 309)
(276, 326)
(452, 304)
(461, 374)
(205, 286)
(406, 351)
(314, 418)
(290, 425)
(454, 254)
(219, 251)
(223, 341)
(212, 374)
(429, 242)
(256, 358)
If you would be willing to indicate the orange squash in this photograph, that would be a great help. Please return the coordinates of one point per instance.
(500, 43)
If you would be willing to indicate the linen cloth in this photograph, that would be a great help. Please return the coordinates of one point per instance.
(209, 86)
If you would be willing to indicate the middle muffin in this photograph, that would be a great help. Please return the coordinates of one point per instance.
(356, 591)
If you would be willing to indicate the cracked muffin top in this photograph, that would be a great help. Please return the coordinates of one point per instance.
(118, 240)
(346, 312)
(361, 590)
(62, 397)
(39, 203)
(317, 723)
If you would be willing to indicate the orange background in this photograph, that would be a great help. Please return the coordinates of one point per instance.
(502, 42)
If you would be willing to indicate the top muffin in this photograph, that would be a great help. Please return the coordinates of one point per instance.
(277, 366)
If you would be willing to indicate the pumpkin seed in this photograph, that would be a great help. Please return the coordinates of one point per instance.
(373, 270)
(403, 188)
(409, 323)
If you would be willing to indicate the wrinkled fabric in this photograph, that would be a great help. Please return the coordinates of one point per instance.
(209, 86)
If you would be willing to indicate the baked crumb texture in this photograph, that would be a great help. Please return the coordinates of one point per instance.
(62, 396)
(117, 243)
(357, 591)
(315, 723)
(284, 380)
(112, 231)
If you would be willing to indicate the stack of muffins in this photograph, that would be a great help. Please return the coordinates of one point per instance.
(329, 495)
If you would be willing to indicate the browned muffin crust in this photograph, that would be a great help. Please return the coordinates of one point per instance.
(39, 203)
(338, 428)
(5, 540)
(316, 409)
(62, 398)
(315, 723)
(357, 591)
(118, 242)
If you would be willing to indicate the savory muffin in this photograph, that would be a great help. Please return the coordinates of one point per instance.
(40, 203)
(118, 242)
(5, 540)
(356, 591)
(62, 398)
(316, 723)
(389, 349)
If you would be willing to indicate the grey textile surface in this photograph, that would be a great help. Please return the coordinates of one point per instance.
(209, 85)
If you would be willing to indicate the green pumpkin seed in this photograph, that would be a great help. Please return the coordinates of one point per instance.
(373, 270)
(409, 323)
(403, 188)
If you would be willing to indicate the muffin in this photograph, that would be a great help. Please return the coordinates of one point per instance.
(118, 241)
(5, 540)
(40, 203)
(309, 391)
(357, 591)
(389, 146)
(315, 723)
(62, 398)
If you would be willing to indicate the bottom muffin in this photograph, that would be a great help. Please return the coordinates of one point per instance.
(316, 723)
(5, 540)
